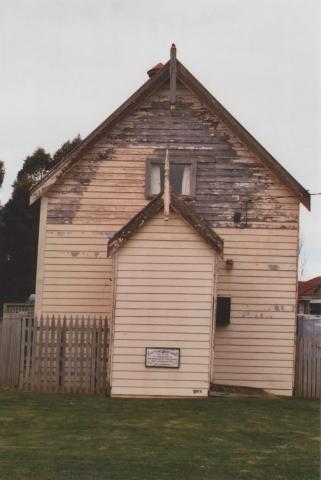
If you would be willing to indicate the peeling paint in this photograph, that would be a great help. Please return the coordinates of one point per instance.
(273, 267)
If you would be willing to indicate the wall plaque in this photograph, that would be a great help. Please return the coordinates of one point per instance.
(159, 357)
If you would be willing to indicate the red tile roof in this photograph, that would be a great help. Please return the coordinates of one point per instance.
(310, 288)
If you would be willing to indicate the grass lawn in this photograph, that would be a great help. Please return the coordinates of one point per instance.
(62, 437)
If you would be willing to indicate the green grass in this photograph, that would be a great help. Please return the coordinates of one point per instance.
(62, 437)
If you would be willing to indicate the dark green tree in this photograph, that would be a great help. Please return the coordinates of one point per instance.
(19, 223)
(19, 229)
(34, 168)
(2, 261)
(66, 148)
(1, 172)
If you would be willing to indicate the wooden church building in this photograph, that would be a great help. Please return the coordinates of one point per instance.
(175, 222)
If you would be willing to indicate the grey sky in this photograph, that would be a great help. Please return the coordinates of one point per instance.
(67, 64)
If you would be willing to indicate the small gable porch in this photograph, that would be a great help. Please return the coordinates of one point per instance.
(164, 291)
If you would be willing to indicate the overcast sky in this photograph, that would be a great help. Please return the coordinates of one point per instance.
(67, 64)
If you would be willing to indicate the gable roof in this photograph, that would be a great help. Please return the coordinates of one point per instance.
(310, 288)
(177, 205)
(149, 87)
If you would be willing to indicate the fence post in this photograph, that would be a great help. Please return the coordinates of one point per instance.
(22, 354)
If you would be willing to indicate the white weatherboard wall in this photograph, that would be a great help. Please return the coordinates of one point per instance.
(257, 349)
(163, 298)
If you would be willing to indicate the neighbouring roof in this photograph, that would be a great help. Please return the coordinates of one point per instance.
(177, 205)
(310, 288)
(159, 77)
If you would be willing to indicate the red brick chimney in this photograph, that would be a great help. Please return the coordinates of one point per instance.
(155, 69)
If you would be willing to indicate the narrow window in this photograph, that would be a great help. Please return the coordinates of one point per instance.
(223, 311)
(181, 174)
(156, 179)
(187, 180)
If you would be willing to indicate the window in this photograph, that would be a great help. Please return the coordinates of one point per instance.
(181, 174)
(180, 178)
(156, 179)
(223, 311)
(315, 307)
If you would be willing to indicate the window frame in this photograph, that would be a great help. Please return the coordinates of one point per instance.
(189, 161)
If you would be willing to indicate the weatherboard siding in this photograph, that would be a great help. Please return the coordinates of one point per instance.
(81, 215)
(167, 308)
(41, 254)
(112, 173)
(105, 189)
(257, 349)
